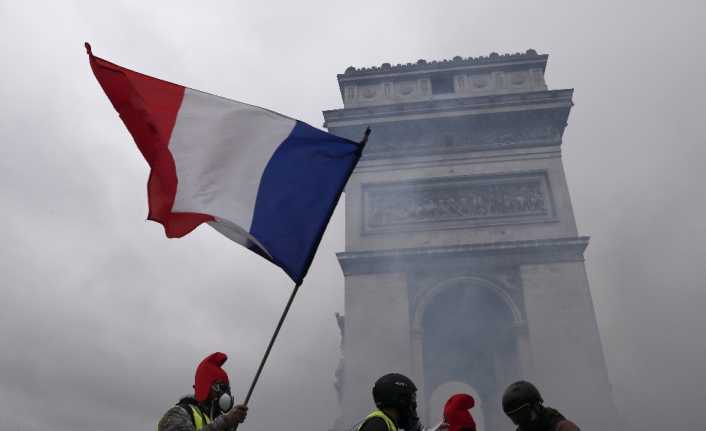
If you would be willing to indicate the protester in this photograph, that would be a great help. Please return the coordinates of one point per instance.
(395, 397)
(211, 406)
(523, 403)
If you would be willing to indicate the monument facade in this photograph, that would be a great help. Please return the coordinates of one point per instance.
(463, 265)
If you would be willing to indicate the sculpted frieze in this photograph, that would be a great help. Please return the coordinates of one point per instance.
(468, 140)
(478, 201)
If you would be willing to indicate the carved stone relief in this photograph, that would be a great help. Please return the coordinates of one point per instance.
(459, 201)
(406, 88)
(464, 83)
(519, 78)
(368, 92)
(480, 82)
(517, 135)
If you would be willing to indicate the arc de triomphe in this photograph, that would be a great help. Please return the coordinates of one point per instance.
(463, 265)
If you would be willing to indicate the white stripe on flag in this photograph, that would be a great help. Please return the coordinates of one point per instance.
(221, 148)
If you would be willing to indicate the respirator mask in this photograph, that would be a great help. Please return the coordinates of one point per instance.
(223, 399)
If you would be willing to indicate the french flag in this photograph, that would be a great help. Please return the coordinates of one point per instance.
(262, 179)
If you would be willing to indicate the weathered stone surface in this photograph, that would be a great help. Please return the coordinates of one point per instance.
(459, 201)
(463, 265)
(459, 77)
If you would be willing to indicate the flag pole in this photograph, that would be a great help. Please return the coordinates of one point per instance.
(272, 341)
(282, 317)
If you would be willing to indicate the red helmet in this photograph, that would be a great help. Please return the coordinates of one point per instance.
(209, 372)
(456, 413)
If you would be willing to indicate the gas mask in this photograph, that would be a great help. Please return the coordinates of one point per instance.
(222, 401)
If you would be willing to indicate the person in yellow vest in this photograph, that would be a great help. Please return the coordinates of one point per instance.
(395, 397)
(211, 407)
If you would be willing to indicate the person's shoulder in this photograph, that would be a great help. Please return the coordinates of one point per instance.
(176, 418)
(566, 425)
(374, 424)
(179, 409)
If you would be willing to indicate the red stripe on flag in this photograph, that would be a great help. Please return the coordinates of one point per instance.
(148, 106)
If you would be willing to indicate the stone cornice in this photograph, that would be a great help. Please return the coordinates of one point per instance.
(507, 253)
(423, 66)
(451, 107)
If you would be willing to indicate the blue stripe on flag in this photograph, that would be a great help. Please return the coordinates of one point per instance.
(298, 192)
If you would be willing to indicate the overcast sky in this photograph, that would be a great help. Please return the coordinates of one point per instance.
(102, 319)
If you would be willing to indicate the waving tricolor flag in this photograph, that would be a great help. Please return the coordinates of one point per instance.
(264, 180)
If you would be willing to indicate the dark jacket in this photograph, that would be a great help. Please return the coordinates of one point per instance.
(180, 418)
(551, 420)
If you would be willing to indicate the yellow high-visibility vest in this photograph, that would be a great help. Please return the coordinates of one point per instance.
(379, 414)
(199, 417)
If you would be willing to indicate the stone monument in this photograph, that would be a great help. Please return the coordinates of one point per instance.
(463, 265)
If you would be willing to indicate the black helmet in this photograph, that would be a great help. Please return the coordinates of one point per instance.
(520, 394)
(394, 390)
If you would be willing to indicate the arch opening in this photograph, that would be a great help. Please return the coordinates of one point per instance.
(468, 338)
